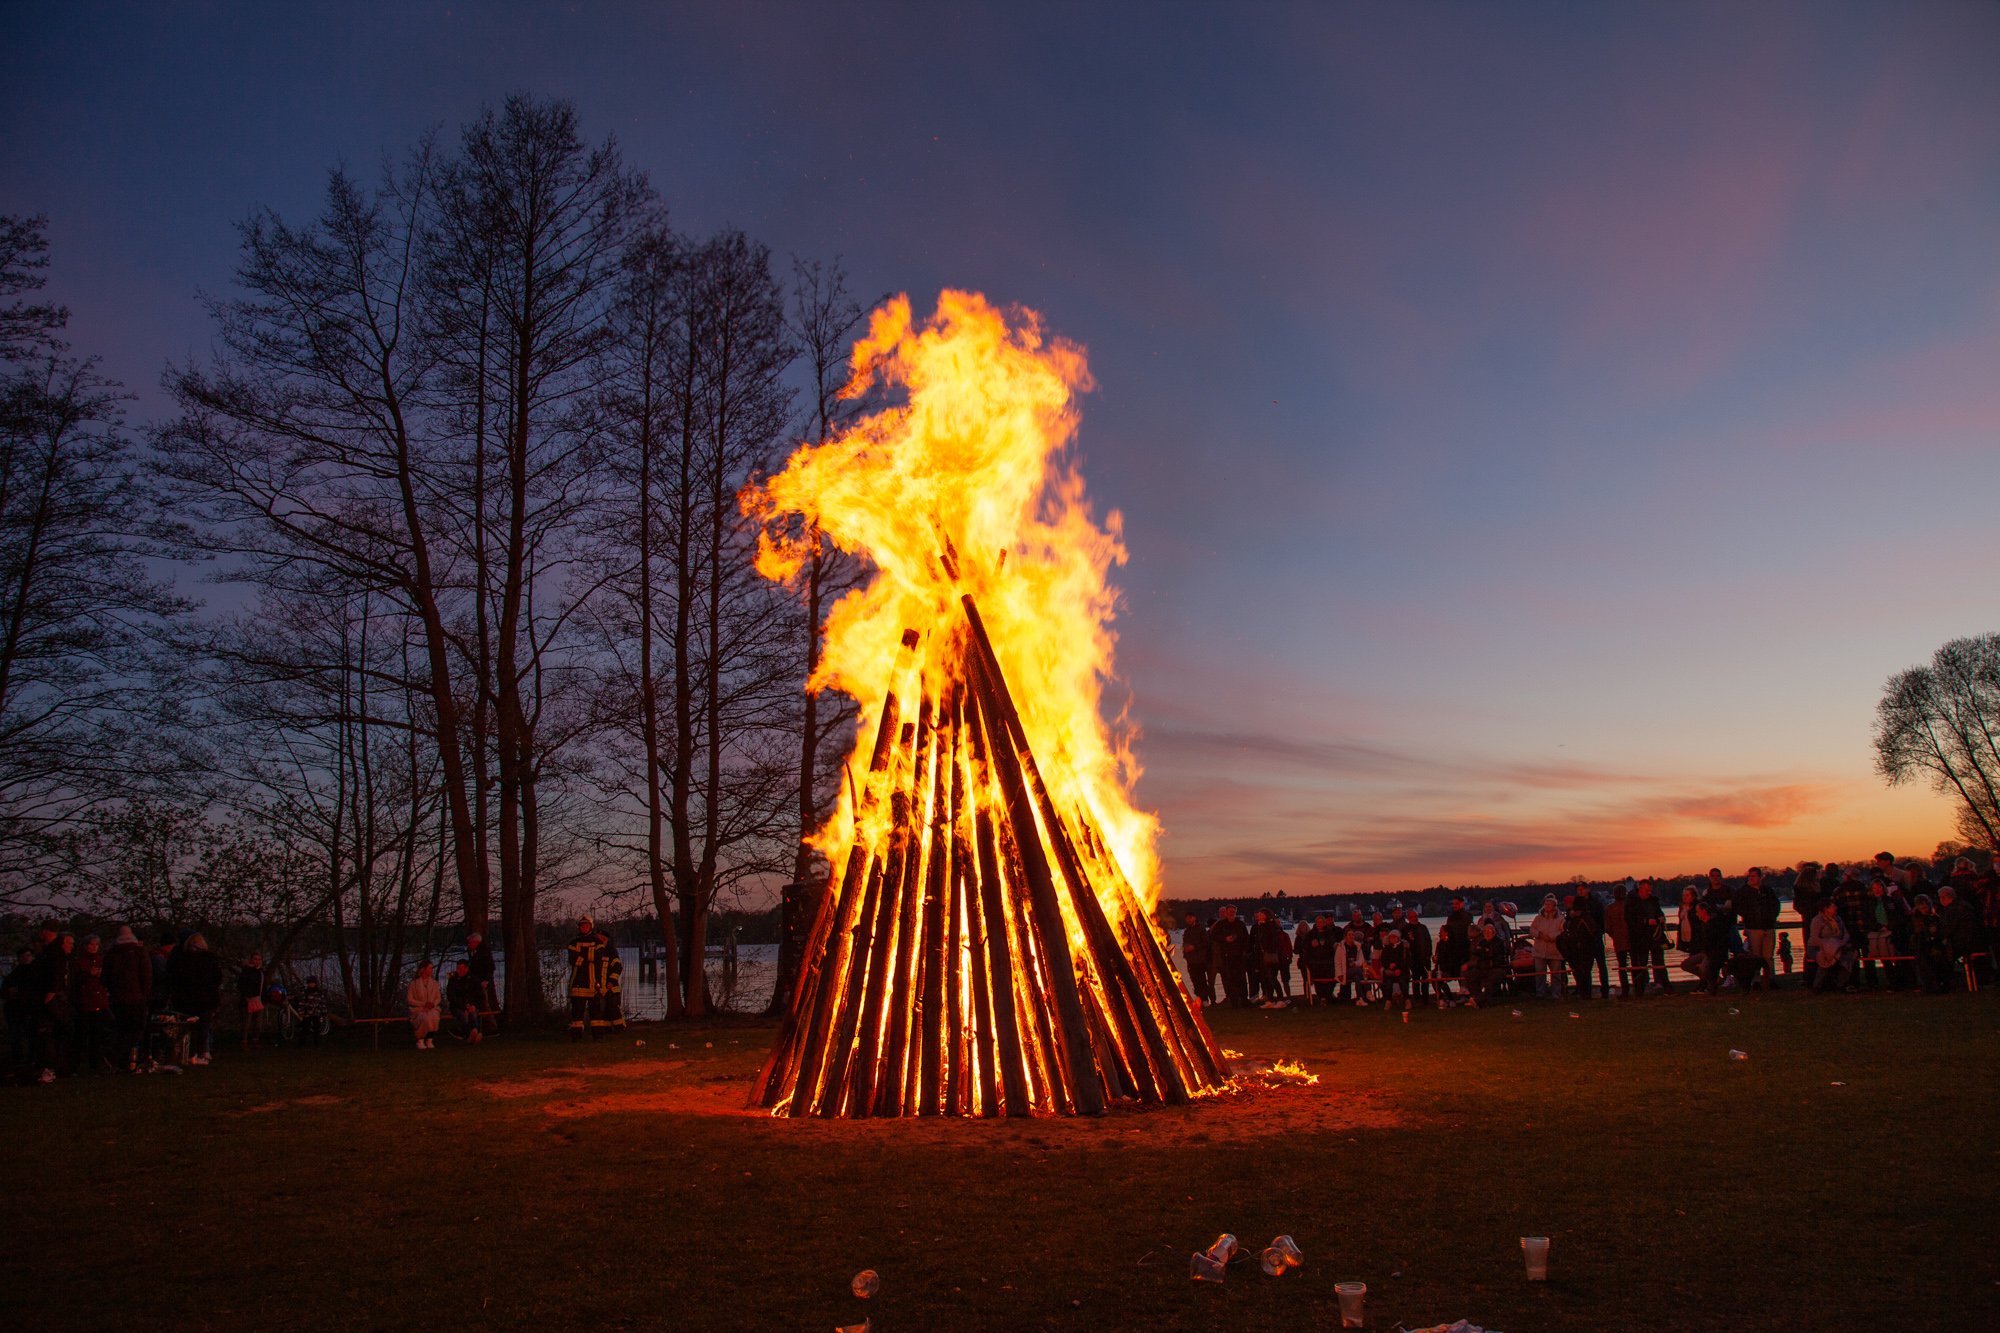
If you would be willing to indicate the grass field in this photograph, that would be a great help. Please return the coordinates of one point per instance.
(526, 1183)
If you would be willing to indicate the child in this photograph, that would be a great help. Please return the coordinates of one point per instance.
(1785, 953)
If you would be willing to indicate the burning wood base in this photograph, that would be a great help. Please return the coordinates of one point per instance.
(966, 964)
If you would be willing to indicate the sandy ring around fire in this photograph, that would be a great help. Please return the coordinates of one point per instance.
(1240, 1114)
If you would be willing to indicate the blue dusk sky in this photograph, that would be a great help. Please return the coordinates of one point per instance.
(1539, 429)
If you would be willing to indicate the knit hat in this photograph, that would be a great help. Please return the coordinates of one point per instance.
(125, 936)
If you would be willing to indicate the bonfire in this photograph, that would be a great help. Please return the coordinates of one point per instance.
(985, 946)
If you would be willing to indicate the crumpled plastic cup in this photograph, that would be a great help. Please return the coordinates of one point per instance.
(866, 1283)
(1205, 1267)
(865, 1326)
(1272, 1261)
(1224, 1249)
(1535, 1250)
(1288, 1247)
(1739, 1055)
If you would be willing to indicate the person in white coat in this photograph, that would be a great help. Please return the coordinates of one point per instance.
(426, 1003)
(1545, 929)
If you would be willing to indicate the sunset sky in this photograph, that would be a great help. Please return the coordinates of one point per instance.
(1539, 430)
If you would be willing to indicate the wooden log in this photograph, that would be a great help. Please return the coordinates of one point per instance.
(900, 997)
(1051, 933)
(1007, 1045)
(830, 1096)
(882, 939)
(930, 1064)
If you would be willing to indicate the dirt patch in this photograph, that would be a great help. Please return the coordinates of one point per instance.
(628, 1069)
(529, 1087)
(268, 1107)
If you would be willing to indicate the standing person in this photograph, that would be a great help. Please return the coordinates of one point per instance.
(1927, 943)
(19, 991)
(1855, 906)
(611, 981)
(128, 975)
(1806, 901)
(1646, 924)
(479, 962)
(1960, 925)
(1319, 959)
(1580, 942)
(91, 1001)
(461, 997)
(583, 979)
(1721, 900)
(199, 993)
(250, 1001)
(1454, 946)
(1194, 952)
(425, 1001)
(312, 1013)
(1621, 939)
(1757, 909)
(1267, 944)
(1886, 867)
(1545, 929)
(1418, 936)
(1687, 927)
(1231, 945)
(1489, 915)
(1491, 961)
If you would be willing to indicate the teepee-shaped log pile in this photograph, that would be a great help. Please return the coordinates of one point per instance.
(965, 963)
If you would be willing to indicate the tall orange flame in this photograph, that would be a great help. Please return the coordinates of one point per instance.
(967, 477)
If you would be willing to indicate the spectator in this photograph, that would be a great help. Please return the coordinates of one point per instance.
(1785, 953)
(199, 993)
(1927, 943)
(1806, 899)
(1454, 946)
(1578, 929)
(250, 1000)
(1490, 914)
(1489, 965)
(58, 1010)
(1852, 899)
(1757, 909)
(1621, 939)
(1827, 946)
(1713, 950)
(425, 1001)
(1647, 925)
(1230, 944)
(160, 996)
(1886, 867)
(128, 975)
(1593, 941)
(1194, 950)
(479, 962)
(1721, 900)
(461, 996)
(92, 1005)
(1319, 959)
(1418, 936)
(1546, 929)
(1960, 923)
(1876, 940)
(311, 1007)
(1687, 927)
(19, 992)
(1395, 969)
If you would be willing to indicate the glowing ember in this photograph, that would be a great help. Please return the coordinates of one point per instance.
(986, 947)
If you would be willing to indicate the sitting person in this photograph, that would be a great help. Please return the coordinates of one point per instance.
(1395, 969)
(1927, 942)
(311, 1009)
(461, 997)
(1827, 949)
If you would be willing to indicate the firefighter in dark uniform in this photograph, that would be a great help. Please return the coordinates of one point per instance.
(584, 953)
(611, 990)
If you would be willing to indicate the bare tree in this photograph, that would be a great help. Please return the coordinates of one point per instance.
(1942, 723)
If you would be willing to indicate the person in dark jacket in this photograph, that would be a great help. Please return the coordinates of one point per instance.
(1579, 932)
(1195, 953)
(1267, 953)
(199, 993)
(1454, 946)
(1319, 958)
(1927, 943)
(18, 991)
(479, 962)
(1716, 954)
(1851, 899)
(250, 1000)
(1646, 927)
(1395, 969)
(57, 1010)
(1806, 898)
(1757, 912)
(1418, 936)
(1230, 943)
(91, 1003)
(311, 1008)
(1491, 962)
(583, 952)
(128, 975)
(1959, 920)
(461, 1000)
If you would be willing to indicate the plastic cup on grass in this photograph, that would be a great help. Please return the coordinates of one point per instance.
(1353, 1301)
(1535, 1250)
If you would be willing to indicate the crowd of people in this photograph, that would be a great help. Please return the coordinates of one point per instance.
(76, 1006)
(1872, 924)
